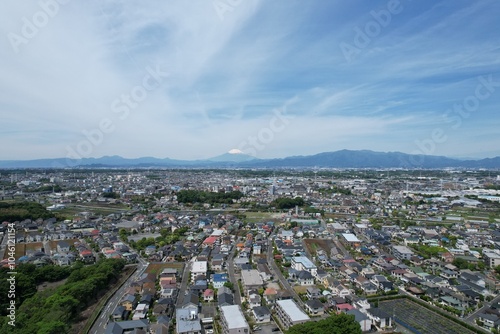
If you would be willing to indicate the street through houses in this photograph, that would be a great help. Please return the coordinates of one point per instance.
(184, 282)
(283, 281)
(104, 317)
(326, 263)
(232, 276)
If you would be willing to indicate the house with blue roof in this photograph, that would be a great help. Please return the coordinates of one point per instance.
(218, 280)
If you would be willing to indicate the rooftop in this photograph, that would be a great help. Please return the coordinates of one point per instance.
(234, 316)
(251, 277)
(199, 267)
(350, 237)
(293, 311)
(304, 260)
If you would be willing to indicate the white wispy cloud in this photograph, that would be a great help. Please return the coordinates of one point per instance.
(229, 71)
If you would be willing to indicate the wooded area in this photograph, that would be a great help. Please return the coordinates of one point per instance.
(335, 324)
(53, 311)
(19, 211)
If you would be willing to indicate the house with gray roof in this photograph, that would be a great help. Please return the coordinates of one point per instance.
(187, 321)
(261, 314)
(225, 299)
(130, 326)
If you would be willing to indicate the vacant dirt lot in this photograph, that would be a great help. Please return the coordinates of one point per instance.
(156, 268)
(22, 248)
(313, 245)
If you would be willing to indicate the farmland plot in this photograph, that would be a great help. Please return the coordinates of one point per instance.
(419, 319)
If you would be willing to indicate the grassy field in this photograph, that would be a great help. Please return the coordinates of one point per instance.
(100, 209)
(256, 217)
(300, 289)
(156, 268)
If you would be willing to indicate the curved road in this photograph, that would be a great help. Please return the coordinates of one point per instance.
(99, 325)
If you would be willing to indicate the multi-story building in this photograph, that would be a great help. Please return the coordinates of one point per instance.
(303, 263)
(187, 321)
(233, 321)
(402, 252)
(199, 268)
(491, 257)
(251, 279)
(289, 313)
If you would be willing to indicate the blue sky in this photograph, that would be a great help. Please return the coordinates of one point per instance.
(191, 80)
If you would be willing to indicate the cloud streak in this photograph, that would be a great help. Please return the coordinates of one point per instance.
(228, 76)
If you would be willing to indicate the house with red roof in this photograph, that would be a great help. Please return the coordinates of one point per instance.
(208, 295)
(210, 241)
(343, 307)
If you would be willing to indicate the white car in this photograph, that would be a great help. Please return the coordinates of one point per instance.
(209, 331)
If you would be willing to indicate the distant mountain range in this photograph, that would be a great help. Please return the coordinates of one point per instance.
(235, 158)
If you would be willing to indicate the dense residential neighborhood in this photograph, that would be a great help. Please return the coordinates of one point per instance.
(240, 251)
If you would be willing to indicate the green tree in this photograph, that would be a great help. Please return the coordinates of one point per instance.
(23, 210)
(198, 196)
(111, 195)
(335, 324)
(53, 311)
(53, 327)
(123, 233)
(229, 285)
(460, 263)
(287, 203)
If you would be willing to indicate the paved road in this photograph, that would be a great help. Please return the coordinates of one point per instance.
(3, 246)
(184, 283)
(471, 318)
(101, 322)
(279, 275)
(46, 246)
(344, 251)
(232, 277)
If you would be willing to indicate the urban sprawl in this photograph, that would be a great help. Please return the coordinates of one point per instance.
(243, 251)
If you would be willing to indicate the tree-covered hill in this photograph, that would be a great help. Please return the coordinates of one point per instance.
(18, 211)
(54, 311)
